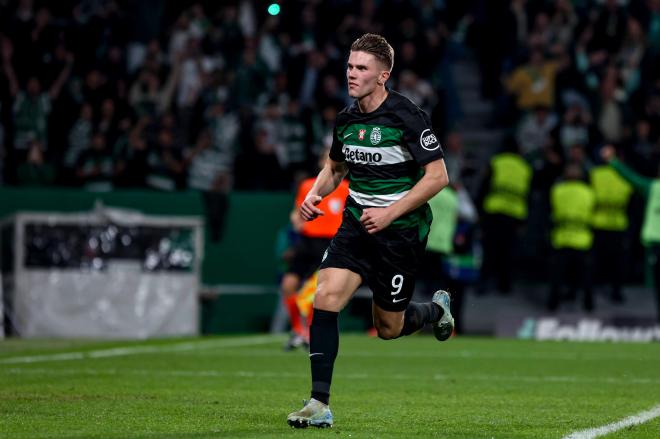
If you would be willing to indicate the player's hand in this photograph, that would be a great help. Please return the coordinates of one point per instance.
(607, 153)
(375, 219)
(308, 209)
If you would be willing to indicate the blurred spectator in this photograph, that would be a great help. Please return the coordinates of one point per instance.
(80, 137)
(132, 157)
(572, 203)
(609, 26)
(116, 70)
(231, 31)
(417, 90)
(504, 210)
(447, 260)
(96, 168)
(645, 151)
(94, 90)
(563, 21)
(459, 163)
(650, 190)
(35, 171)
(610, 222)
(210, 172)
(330, 93)
(630, 56)
(533, 84)
(270, 143)
(265, 169)
(224, 130)
(577, 155)
(653, 25)
(31, 105)
(190, 84)
(444, 206)
(315, 63)
(251, 78)
(534, 130)
(148, 96)
(294, 139)
(108, 120)
(165, 165)
(269, 49)
(575, 128)
(611, 113)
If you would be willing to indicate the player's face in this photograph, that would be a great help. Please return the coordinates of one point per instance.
(363, 73)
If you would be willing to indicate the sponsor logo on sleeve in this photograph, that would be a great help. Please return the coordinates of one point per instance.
(428, 141)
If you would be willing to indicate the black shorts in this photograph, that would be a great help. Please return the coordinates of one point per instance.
(307, 255)
(388, 261)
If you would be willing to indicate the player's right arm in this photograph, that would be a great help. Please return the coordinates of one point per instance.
(327, 181)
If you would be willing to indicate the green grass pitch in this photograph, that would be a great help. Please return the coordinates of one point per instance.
(244, 386)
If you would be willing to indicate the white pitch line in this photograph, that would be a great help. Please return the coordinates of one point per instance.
(635, 419)
(135, 350)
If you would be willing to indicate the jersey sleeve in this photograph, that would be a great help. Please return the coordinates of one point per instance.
(419, 137)
(336, 153)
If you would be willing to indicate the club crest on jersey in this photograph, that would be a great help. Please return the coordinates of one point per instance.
(375, 136)
(361, 134)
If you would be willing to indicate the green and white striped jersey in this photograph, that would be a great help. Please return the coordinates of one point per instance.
(385, 151)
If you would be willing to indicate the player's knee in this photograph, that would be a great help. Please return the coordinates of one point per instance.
(327, 298)
(387, 332)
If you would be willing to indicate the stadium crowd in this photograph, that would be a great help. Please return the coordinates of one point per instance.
(164, 95)
(216, 96)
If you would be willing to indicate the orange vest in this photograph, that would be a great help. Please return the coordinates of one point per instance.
(332, 205)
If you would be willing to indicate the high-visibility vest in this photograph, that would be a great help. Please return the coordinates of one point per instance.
(509, 185)
(572, 211)
(444, 206)
(651, 227)
(612, 197)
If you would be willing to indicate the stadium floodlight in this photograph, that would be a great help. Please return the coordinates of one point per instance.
(274, 9)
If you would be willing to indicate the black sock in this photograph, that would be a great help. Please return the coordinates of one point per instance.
(419, 314)
(323, 347)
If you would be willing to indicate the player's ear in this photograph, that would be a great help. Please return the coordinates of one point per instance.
(383, 77)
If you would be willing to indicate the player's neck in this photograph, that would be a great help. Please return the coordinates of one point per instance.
(372, 101)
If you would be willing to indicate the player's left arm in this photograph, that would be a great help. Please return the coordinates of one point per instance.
(435, 178)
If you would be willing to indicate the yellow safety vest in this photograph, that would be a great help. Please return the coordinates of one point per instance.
(509, 186)
(651, 227)
(572, 211)
(444, 206)
(612, 197)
